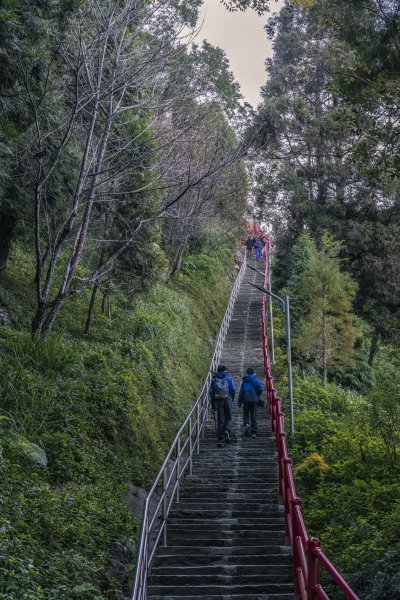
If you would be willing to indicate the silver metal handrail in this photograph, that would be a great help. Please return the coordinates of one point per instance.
(165, 488)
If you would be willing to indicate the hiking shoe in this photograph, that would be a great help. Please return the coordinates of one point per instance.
(227, 437)
(220, 444)
(254, 436)
(247, 430)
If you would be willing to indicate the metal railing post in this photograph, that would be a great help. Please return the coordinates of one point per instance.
(165, 503)
(290, 373)
(286, 309)
(271, 311)
(146, 564)
(190, 447)
(178, 469)
(198, 429)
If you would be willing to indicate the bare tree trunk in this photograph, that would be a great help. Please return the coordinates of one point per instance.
(319, 158)
(324, 345)
(89, 319)
(177, 261)
(7, 223)
(109, 307)
(37, 321)
(103, 303)
(374, 348)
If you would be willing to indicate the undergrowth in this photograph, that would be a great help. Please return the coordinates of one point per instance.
(103, 412)
(346, 467)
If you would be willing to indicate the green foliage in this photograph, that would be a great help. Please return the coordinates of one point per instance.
(304, 4)
(219, 82)
(12, 440)
(350, 496)
(290, 271)
(98, 222)
(102, 412)
(328, 128)
(311, 471)
(260, 6)
(358, 377)
(381, 580)
(384, 408)
(352, 506)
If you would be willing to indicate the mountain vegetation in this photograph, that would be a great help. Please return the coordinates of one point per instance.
(326, 160)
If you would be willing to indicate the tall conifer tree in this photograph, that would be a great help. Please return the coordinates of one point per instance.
(327, 332)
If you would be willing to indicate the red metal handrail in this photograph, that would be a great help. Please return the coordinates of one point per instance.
(307, 554)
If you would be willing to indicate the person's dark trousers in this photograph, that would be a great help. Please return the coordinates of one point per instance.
(224, 417)
(250, 415)
(248, 252)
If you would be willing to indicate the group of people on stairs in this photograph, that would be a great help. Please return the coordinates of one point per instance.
(256, 243)
(222, 396)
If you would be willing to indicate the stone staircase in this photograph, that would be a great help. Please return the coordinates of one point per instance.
(226, 535)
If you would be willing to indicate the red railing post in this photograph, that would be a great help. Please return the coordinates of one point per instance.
(313, 568)
(296, 501)
(274, 394)
(287, 464)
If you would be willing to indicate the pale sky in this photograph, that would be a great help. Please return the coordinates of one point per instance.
(242, 36)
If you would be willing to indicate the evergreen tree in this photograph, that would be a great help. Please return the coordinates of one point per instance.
(327, 332)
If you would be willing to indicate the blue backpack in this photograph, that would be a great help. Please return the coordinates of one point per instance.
(221, 388)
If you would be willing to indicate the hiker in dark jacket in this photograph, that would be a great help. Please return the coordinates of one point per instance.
(249, 396)
(249, 247)
(222, 395)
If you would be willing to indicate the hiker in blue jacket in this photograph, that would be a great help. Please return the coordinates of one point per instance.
(249, 396)
(222, 395)
(258, 248)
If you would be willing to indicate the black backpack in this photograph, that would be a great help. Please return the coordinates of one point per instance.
(221, 388)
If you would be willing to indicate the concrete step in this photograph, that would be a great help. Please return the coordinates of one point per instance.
(232, 542)
(203, 591)
(220, 578)
(217, 569)
(274, 556)
(240, 596)
(217, 551)
(216, 492)
(231, 524)
(237, 482)
(255, 522)
(254, 506)
(275, 510)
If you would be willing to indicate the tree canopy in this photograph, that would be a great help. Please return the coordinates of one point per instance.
(327, 129)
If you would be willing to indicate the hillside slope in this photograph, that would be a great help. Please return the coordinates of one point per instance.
(101, 412)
